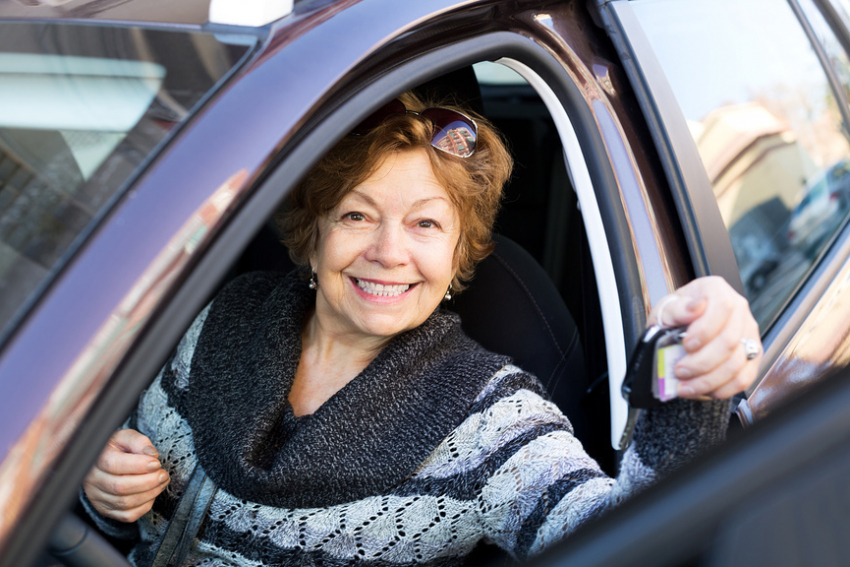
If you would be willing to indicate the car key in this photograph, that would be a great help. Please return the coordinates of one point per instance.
(649, 380)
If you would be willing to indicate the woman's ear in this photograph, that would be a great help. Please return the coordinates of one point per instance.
(312, 259)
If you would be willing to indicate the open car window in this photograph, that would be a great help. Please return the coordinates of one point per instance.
(540, 215)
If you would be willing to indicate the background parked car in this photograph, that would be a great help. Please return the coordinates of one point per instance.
(144, 147)
(823, 206)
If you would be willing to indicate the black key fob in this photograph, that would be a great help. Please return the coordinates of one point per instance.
(648, 382)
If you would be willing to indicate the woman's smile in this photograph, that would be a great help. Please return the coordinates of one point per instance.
(375, 290)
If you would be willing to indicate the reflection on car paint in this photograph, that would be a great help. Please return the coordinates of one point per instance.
(820, 343)
(34, 454)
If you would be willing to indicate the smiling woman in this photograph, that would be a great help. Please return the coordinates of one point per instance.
(341, 415)
(472, 184)
(384, 255)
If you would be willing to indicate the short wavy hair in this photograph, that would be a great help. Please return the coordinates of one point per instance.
(474, 184)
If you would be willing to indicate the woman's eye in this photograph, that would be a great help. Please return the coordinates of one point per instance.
(355, 216)
(428, 223)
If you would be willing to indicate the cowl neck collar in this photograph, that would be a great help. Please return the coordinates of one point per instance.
(363, 441)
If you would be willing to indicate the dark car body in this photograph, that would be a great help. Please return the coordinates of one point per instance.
(616, 194)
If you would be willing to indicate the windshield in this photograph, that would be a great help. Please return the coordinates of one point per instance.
(82, 108)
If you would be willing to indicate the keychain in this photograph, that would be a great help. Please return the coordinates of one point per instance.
(649, 380)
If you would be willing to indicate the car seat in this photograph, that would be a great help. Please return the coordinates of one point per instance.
(512, 307)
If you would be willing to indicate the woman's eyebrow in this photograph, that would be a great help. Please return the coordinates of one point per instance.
(354, 193)
(427, 200)
(363, 196)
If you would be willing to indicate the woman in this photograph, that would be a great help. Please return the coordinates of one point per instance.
(347, 418)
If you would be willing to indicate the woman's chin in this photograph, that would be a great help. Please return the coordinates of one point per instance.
(384, 326)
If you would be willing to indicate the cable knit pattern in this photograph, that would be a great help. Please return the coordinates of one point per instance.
(508, 470)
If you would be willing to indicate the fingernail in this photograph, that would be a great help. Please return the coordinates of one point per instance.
(163, 476)
(691, 344)
(682, 373)
(154, 465)
(150, 450)
(684, 390)
(690, 305)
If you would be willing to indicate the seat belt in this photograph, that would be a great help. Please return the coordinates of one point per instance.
(186, 521)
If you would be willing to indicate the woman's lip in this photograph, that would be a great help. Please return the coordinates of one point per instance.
(380, 298)
(379, 282)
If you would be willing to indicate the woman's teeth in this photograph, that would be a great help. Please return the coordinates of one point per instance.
(382, 290)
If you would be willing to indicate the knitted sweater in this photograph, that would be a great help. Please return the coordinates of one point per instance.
(435, 446)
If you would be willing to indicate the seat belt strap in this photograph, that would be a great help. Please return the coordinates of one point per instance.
(186, 521)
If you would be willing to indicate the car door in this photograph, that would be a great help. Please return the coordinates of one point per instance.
(748, 104)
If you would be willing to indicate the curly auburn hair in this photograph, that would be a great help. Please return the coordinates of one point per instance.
(473, 184)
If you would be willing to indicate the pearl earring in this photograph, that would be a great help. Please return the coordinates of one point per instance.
(448, 295)
(313, 283)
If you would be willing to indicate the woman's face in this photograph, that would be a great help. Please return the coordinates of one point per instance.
(384, 257)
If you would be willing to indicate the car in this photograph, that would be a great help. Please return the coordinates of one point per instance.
(145, 147)
(823, 205)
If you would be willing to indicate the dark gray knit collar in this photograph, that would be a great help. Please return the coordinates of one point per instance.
(366, 439)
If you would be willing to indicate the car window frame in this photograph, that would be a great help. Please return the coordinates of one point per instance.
(345, 105)
(692, 189)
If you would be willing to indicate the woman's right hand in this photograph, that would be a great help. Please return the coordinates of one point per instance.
(126, 478)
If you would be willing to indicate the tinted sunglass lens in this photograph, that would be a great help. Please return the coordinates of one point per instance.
(375, 119)
(454, 133)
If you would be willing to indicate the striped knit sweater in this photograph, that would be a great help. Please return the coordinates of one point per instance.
(436, 446)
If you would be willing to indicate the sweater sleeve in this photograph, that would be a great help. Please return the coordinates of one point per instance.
(543, 485)
(176, 373)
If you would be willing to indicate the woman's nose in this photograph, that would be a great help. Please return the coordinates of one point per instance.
(388, 248)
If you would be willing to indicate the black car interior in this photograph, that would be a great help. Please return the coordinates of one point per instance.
(538, 280)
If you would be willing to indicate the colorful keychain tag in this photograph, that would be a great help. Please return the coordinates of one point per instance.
(665, 386)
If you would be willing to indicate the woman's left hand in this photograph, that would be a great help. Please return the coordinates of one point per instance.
(719, 323)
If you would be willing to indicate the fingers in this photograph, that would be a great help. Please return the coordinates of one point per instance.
(717, 320)
(124, 500)
(676, 310)
(131, 441)
(712, 347)
(127, 484)
(725, 312)
(128, 452)
(732, 375)
(126, 478)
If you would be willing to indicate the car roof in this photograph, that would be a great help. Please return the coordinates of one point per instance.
(168, 12)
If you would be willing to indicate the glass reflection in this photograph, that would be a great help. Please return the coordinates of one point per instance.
(768, 128)
(81, 109)
(456, 139)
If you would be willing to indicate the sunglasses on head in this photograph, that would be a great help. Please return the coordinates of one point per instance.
(454, 132)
